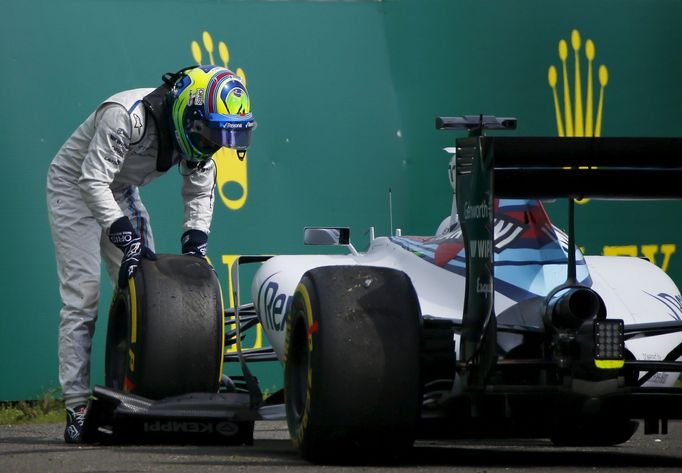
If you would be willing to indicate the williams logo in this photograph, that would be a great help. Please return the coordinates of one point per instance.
(577, 118)
(232, 176)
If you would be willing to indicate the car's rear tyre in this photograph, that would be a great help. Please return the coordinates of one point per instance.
(352, 375)
(165, 332)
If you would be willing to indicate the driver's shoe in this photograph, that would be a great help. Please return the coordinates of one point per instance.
(74, 423)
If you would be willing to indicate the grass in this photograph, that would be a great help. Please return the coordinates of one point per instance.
(48, 409)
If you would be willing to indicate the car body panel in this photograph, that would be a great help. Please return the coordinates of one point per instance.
(530, 265)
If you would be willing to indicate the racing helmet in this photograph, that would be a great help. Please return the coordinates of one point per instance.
(210, 109)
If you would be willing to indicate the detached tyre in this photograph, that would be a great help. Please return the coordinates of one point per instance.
(165, 332)
(352, 379)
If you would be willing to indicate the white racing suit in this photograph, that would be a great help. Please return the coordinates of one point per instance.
(93, 181)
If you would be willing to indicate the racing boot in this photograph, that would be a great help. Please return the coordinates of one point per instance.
(75, 418)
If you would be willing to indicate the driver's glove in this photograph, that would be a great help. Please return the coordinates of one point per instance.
(194, 243)
(123, 235)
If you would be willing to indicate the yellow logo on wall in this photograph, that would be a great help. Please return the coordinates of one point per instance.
(232, 181)
(577, 120)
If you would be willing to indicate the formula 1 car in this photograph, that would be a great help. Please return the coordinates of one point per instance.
(496, 326)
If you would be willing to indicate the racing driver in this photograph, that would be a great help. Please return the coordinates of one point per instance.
(94, 204)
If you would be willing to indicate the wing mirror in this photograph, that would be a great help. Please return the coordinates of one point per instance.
(326, 236)
(331, 236)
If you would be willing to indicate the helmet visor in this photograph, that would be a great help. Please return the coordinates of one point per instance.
(231, 131)
(235, 138)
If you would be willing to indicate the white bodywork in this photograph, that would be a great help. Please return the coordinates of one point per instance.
(629, 286)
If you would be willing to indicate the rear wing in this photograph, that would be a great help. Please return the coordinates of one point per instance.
(539, 168)
(548, 168)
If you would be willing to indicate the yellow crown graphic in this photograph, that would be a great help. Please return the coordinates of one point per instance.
(231, 172)
(578, 121)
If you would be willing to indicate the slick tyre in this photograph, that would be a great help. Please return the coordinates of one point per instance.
(352, 375)
(165, 331)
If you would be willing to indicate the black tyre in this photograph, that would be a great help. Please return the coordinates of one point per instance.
(352, 364)
(165, 332)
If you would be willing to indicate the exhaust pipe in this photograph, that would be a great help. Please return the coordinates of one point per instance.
(570, 307)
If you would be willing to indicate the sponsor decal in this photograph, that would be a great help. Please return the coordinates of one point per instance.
(119, 142)
(505, 233)
(121, 238)
(273, 304)
(672, 302)
(483, 288)
(196, 98)
(238, 125)
(660, 377)
(137, 124)
(648, 251)
(475, 212)
(226, 428)
(222, 428)
(113, 160)
(133, 250)
(480, 248)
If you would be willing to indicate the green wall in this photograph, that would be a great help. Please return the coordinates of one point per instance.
(345, 94)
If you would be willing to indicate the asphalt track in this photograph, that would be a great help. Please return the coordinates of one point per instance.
(40, 449)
